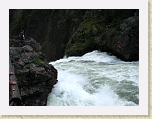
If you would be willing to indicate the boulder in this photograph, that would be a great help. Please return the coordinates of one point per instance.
(125, 43)
(35, 77)
(121, 40)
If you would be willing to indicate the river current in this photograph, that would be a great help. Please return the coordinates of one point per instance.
(95, 79)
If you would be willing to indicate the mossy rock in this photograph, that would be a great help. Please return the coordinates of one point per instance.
(80, 48)
(28, 66)
(38, 61)
(83, 40)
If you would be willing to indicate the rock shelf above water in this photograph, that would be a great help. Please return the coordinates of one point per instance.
(35, 77)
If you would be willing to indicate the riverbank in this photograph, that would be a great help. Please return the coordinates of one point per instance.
(35, 77)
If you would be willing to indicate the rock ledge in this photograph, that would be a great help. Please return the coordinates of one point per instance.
(35, 77)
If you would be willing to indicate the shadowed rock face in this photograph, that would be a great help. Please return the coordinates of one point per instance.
(121, 40)
(35, 77)
(52, 28)
(75, 32)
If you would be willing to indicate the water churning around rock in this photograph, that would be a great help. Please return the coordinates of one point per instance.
(95, 79)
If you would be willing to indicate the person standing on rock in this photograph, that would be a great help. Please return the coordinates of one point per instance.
(22, 37)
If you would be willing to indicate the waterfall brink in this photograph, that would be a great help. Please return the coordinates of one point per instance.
(95, 79)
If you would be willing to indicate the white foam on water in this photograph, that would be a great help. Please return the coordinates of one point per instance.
(70, 91)
(98, 56)
(95, 56)
(91, 80)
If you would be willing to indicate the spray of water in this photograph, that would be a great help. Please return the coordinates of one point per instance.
(95, 79)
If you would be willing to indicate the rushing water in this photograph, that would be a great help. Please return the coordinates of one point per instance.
(95, 79)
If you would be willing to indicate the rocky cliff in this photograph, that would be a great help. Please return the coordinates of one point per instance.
(51, 28)
(75, 32)
(121, 40)
(35, 77)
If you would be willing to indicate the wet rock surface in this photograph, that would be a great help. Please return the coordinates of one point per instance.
(35, 77)
(74, 32)
(121, 40)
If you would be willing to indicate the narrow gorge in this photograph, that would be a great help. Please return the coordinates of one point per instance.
(78, 31)
(74, 57)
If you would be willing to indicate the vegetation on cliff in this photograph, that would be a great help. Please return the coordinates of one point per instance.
(35, 77)
(75, 32)
(118, 36)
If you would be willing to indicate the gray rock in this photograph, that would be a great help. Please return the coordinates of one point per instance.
(28, 48)
(29, 58)
(129, 22)
(35, 77)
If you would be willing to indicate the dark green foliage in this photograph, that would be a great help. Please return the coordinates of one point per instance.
(95, 31)
(38, 61)
(87, 15)
(70, 30)
(11, 14)
(83, 40)
(28, 66)
(115, 16)
(30, 18)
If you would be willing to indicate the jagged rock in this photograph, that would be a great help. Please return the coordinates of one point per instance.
(29, 57)
(121, 40)
(28, 48)
(36, 46)
(125, 44)
(54, 30)
(15, 53)
(35, 77)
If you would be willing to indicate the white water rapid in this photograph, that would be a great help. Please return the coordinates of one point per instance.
(95, 79)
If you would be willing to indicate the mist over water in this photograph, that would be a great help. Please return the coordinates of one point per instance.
(95, 79)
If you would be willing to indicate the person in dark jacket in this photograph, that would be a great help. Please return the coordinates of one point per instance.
(22, 37)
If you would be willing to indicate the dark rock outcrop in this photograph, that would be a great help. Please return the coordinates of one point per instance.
(77, 31)
(52, 28)
(121, 40)
(35, 77)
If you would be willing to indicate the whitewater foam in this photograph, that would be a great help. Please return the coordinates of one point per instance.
(95, 79)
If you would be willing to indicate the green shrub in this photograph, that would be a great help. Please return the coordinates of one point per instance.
(27, 66)
(38, 61)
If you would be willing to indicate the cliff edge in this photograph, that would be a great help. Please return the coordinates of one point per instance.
(35, 77)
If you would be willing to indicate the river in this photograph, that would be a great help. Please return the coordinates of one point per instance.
(95, 79)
